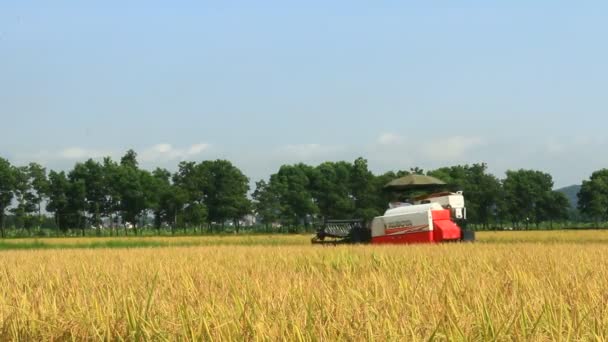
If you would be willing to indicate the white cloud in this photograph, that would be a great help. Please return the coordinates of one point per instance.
(162, 148)
(389, 139)
(197, 149)
(166, 152)
(450, 148)
(66, 157)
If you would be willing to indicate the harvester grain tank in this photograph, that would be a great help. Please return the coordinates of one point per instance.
(437, 216)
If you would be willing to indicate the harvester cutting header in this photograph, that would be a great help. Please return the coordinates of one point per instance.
(435, 215)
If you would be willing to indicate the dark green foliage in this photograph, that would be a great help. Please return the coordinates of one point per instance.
(58, 198)
(292, 187)
(7, 187)
(215, 191)
(92, 175)
(593, 196)
(529, 198)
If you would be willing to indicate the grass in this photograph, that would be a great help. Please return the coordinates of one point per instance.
(148, 242)
(544, 237)
(509, 286)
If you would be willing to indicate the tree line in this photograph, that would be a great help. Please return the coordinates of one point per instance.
(209, 195)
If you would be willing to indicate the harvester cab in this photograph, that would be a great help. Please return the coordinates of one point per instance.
(429, 218)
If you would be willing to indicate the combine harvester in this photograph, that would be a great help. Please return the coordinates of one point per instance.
(433, 217)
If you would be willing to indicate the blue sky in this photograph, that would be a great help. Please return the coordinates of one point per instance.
(515, 84)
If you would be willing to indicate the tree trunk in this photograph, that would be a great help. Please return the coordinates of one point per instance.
(39, 215)
(97, 220)
(2, 222)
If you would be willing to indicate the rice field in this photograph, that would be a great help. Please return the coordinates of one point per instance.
(508, 286)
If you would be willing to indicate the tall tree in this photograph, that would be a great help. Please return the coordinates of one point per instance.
(554, 206)
(58, 198)
(367, 195)
(158, 187)
(77, 204)
(129, 159)
(525, 191)
(7, 187)
(40, 185)
(132, 197)
(225, 188)
(331, 191)
(111, 203)
(292, 185)
(266, 203)
(24, 196)
(91, 173)
(593, 196)
(187, 197)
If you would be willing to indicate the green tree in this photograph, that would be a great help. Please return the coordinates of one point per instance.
(91, 173)
(593, 196)
(525, 191)
(112, 200)
(132, 197)
(225, 190)
(291, 184)
(161, 184)
(40, 185)
(190, 184)
(77, 204)
(130, 185)
(366, 191)
(58, 198)
(7, 188)
(129, 160)
(266, 203)
(24, 198)
(195, 214)
(554, 206)
(331, 190)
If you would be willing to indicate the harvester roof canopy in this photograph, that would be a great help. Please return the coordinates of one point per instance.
(415, 182)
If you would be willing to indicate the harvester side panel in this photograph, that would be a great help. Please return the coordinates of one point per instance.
(416, 227)
(420, 237)
(413, 222)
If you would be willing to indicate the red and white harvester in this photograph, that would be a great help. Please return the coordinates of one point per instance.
(429, 218)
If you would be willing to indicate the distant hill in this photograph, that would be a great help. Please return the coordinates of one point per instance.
(571, 192)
